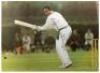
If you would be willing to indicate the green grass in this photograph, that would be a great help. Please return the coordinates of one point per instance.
(82, 61)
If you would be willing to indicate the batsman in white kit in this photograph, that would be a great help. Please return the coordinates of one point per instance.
(56, 21)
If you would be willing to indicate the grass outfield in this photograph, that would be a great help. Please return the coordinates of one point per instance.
(82, 61)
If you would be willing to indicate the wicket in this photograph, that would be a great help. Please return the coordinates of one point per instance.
(94, 52)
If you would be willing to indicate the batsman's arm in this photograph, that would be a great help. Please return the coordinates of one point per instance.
(46, 26)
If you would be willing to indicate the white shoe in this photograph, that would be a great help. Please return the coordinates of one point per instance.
(65, 66)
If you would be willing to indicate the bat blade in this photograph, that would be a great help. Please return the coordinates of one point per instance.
(25, 24)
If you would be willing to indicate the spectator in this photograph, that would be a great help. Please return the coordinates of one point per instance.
(75, 40)
(49, 44)
(88, 39)
(18, 42)
(26, 42)
(38, 40)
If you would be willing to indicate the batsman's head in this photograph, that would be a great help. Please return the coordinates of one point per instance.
(47, 10)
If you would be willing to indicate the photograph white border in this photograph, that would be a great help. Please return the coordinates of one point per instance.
(45, 71)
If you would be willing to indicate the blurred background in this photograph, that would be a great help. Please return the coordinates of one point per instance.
(81, 15)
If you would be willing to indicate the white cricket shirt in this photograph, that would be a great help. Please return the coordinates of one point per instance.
(54, 21)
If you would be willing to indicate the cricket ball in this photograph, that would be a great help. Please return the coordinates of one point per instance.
(5, 57)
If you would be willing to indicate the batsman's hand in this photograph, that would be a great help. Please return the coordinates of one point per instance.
(35, 27)
(38, 28)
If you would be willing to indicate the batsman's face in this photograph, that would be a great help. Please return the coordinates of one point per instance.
(46, 12)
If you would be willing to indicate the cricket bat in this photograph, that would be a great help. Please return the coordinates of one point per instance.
(25, 24)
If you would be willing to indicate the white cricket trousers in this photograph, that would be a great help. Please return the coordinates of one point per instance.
(64, 35)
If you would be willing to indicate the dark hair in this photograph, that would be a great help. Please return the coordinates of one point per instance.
(47, 7)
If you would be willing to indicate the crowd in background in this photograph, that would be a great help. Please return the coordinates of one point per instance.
(25, 44)
(75, 41)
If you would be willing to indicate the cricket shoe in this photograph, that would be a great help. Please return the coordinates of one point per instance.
(65, 66)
